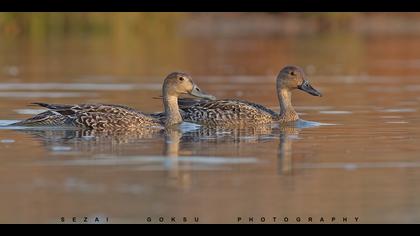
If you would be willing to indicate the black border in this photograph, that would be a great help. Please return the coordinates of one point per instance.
(209, 5)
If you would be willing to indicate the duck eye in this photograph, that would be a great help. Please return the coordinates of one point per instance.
(181, 78)
(292, 73)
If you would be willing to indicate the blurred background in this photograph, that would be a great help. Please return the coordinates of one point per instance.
(145, 47)
(133, 44)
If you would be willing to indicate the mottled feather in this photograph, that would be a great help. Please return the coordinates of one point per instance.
(91, 116)
(229, 112)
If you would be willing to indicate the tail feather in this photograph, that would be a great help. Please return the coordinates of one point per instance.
(44, 118)
(39, 104)
(53, 106)
(55, 115)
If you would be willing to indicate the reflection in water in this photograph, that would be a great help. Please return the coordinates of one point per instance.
(175, 141)
(252, 135)
(285, 162)
(89, 141)
(171, 151)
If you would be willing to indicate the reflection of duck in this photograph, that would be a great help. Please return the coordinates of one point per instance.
(118, 117)
(241, 137)
(85, 141)
(237, 112)
(284, 154)
(248, 134)
(182, 151)
(171, 152)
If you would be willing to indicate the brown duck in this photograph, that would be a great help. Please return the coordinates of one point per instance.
(228, 112)
(118, 117)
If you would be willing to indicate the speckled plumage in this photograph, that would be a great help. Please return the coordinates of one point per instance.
(92, 116)
(106, 117)
(234, 112)
(227, 112)
(230, 112)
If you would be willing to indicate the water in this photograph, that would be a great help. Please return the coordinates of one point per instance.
(360, 157)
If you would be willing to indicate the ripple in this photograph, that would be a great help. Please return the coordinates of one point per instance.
(88, 137)
(412, 87)
(78, 185)
(131, 188)
(11, 70)
(391, 117)
(336, 112)
(133, 160)
(60, 148)
(222, 133)
(312, 108)
(188, 127)
(29, 111)
(307, 124)
(183, 168)
(392, 110)
(396, 122)
(384, 90)
(78, 86)
(354, 166)
(304, 123)
(7, 122)
(7, 141)
(45, 94)
(5, 126)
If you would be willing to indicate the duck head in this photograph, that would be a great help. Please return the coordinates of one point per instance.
(178, 83)
(293, 77)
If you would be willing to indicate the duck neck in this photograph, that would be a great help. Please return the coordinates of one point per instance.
(287, 112)
(173, 116)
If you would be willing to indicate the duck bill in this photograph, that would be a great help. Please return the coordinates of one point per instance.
(307, 87)
(196, 91)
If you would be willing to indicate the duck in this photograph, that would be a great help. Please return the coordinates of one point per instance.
(105, 117)
(235, 112)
